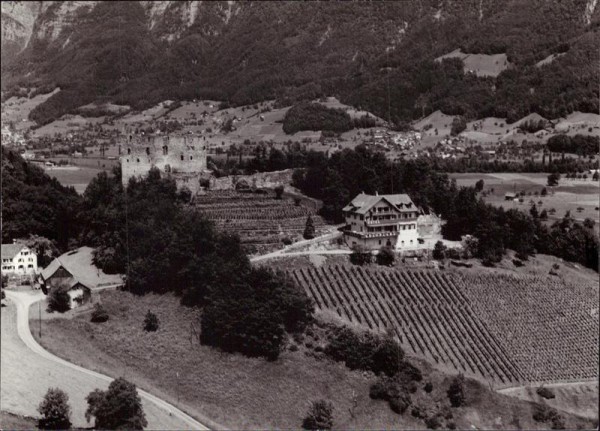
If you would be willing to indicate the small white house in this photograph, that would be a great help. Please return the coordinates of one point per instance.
(18, 259)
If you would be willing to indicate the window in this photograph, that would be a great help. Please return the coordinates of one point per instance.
(25, 253)
(147, 151)
(165, 150)
(138, 160)
(191, 158)
(20, 260)
(20, 267)
(30, 266)
(127, 160)
(182, 157)
(129, 149)
(31, 259)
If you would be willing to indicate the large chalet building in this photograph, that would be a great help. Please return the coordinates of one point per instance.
(373, 221)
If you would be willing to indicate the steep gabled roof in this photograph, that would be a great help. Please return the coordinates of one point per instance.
(363, 202)
(9, 251)
(80, 265)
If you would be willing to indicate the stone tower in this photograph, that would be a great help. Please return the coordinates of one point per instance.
(183, 157)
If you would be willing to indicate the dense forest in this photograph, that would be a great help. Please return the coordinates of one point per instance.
(379, 56)
(34, 203)
(148, 233)
(583, 145)
(345, 174)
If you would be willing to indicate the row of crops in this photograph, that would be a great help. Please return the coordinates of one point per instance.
(261, 221)
(452, 322)
(549, 326)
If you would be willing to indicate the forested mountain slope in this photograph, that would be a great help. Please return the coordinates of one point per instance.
(377, 55)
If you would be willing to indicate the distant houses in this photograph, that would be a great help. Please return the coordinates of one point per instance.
(75, 273)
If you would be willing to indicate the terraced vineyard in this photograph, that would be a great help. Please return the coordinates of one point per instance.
(460, 323)
(549, 328)
(260, 220)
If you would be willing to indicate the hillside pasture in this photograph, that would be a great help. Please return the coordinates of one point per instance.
(250, 393)
(67, 123)
(480, 64)
(17, 109)
(569, 195)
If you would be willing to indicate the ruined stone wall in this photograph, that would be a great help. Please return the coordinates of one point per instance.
(258, 180)
(182, 157)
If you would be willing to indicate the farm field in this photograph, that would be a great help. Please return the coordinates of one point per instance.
(261, 221)
(580, 197)
(468, 322)
(77, 176)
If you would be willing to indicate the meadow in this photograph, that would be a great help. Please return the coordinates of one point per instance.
(580, 197)
(77, 176)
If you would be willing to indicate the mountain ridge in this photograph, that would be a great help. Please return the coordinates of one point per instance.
(376, 55)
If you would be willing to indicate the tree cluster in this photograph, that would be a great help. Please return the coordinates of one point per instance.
(119, 407)
(314, 116)
(253, 314)
(583, 145)
(366, 351)
(35, 204)
(345, 174)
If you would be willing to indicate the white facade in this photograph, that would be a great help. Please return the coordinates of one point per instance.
(377, 221)
(21, 262)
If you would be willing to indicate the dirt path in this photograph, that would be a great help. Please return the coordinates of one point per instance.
(580, 398)
(28, 371)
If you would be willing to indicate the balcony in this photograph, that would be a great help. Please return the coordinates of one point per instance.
(382, 221)
(391, 234)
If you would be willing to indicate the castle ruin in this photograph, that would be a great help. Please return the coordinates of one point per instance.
(183, 158)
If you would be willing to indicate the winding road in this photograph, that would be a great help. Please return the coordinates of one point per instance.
(28, 370)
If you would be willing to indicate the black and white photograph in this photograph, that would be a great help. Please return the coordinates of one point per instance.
(300, 215)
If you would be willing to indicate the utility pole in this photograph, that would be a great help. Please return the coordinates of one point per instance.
(40, 317)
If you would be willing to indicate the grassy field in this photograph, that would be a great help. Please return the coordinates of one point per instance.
(17, 109)
(480, 64)
(9, 421)
(76, 176)
(569, 195)
(243, 393)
